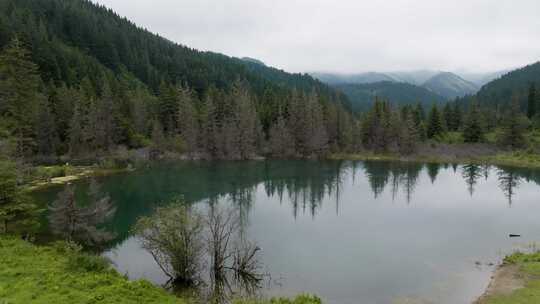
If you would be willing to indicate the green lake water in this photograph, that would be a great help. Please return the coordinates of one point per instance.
(350, 232)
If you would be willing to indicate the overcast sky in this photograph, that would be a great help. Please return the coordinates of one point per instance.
(351, 35)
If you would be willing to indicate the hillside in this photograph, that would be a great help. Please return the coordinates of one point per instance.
(361, 96)
(446, 84)
(450, 85)
(500, 91)
(362, 78)
(71, 40)
(79, 80)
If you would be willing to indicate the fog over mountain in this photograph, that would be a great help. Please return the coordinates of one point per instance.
(446, 84)
(351, 36)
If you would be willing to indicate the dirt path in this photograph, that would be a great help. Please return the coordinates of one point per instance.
(506, 279)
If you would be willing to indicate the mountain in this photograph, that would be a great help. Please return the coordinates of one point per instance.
(361, 96)
(450, 85)
(500, 91)
(414, 77)
(481, 79)
(253, 60)
(77, 39)
(368, 77)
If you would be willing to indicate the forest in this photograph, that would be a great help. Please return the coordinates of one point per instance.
(81, 86)
(80, 82)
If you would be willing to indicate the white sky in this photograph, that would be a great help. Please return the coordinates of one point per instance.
(351, 35)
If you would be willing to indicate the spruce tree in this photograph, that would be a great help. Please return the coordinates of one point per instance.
(19, 86)
(531, 101)
(457, 117)
(448, 115)
(316, 134)
(408, 137)
(18, 213)
(46, 135)
(435, 123)
(209, 127)
(473, 130)
(188, 123)
(281, 142)
(77, 143)
(514, 127)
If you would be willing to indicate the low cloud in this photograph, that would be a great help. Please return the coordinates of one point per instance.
(351, 35)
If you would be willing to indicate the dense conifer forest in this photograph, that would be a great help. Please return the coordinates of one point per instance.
(79, 81)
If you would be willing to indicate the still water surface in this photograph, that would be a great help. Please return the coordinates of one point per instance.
(350, 232)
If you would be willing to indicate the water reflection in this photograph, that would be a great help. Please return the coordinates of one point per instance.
(346, 219)
(302, 184)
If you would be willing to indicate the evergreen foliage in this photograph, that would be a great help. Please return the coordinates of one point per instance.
(473, 130)
(435, 124)
(514, 126)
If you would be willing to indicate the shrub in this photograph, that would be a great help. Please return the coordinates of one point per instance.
(87, 262)
(450, 138)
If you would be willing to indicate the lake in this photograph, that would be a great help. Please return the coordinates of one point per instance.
(349, 232)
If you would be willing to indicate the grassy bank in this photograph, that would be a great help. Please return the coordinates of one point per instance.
(63, 274)
(515, 159)
(516, 281)
(46, 176)
(60, 274)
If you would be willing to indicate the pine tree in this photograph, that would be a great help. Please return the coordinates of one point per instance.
(46, 136)
(345, 129)
(247, 122)
(514, 127)
(18, 213)
(409, 137)
(281, 141)
(167, 108)
(448, 115)
(419, 121)
(531, 101)
(435, 123)
(473, 130)
(316, 135)
(19, 86)
(457, 117)
(188, 123)
(209, 128)
(77, 143)
(419, 114)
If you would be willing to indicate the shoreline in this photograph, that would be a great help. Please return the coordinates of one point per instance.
(514, 159)
(505, 279)
(85, 172)
(515, 280)
(517, 159)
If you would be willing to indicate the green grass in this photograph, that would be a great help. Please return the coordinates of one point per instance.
(450, 138)
(59, 274)
(302, 299)
(529, 267)
(517, 158)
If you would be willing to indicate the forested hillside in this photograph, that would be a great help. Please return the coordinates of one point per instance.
(362, 96)
(450, 85)
(79, 79)
(515, 84)
(73, 39)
